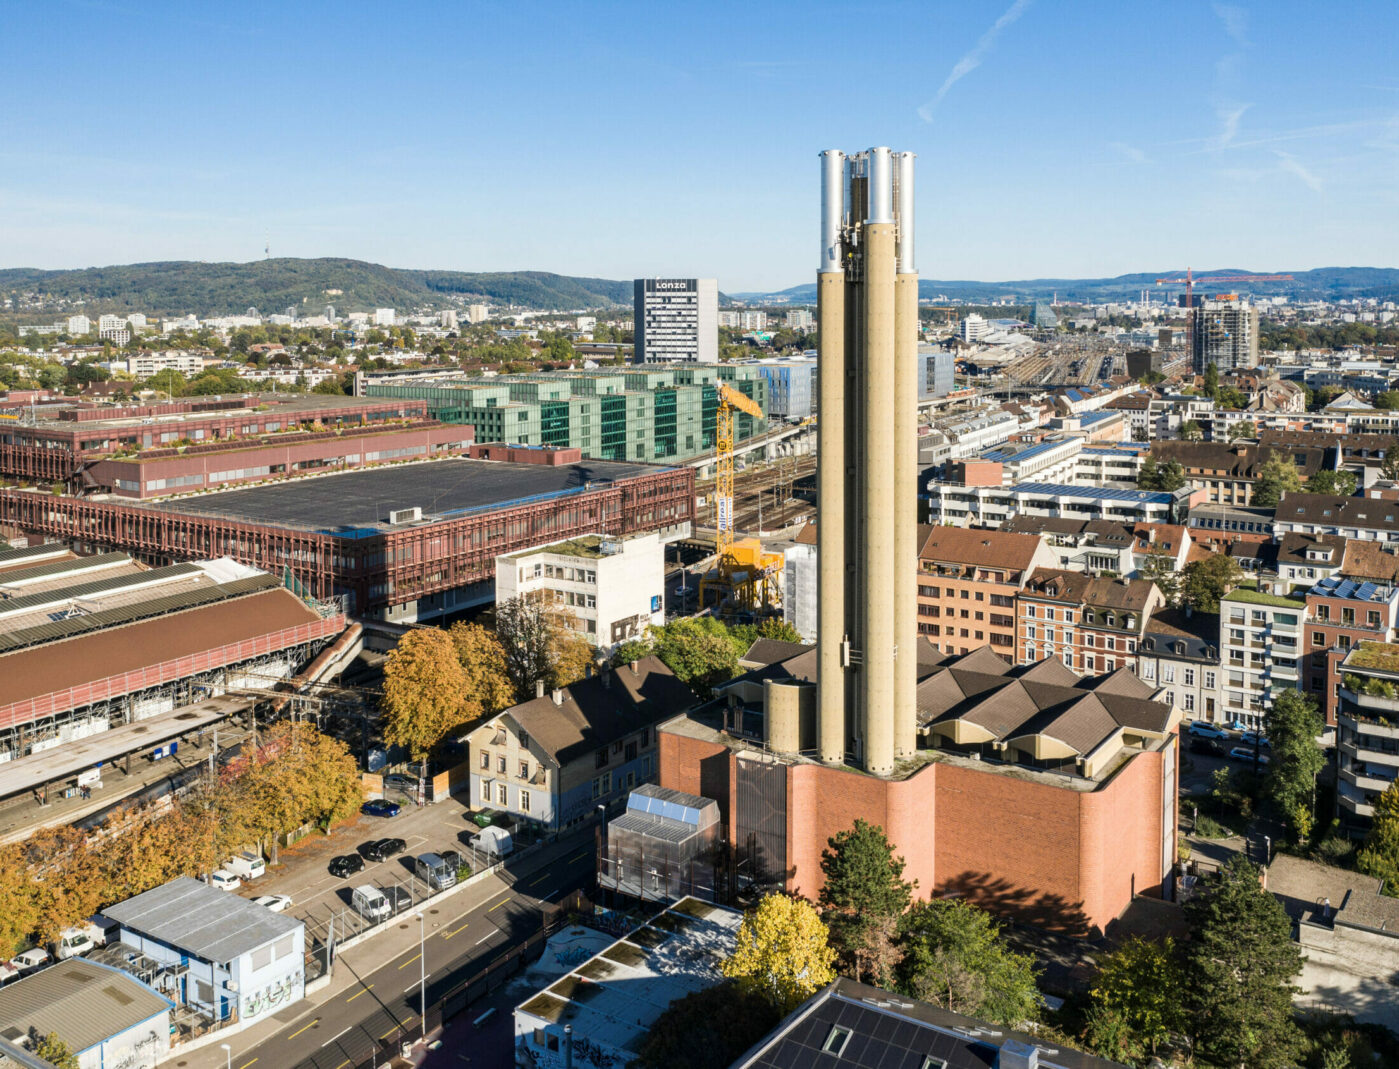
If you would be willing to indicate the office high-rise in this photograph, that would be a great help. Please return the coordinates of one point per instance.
(867, 316)
(1226, 335)
(676, 320)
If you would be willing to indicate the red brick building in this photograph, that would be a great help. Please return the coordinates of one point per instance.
(1017, 833)
(1342, 613)
(1092, 624)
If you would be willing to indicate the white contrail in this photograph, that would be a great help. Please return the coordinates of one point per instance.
(972, 59)
(1293, 166)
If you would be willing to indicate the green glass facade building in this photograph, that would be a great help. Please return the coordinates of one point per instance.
(644, 413)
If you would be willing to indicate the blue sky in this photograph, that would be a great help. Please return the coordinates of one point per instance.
(1055, 137)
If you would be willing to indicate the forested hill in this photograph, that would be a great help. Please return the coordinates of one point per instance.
(206, 289)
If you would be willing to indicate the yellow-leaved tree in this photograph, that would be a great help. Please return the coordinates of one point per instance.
(424, 692)
(488, 687)
(782, 952)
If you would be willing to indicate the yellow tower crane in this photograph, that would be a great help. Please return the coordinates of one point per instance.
(745, 577)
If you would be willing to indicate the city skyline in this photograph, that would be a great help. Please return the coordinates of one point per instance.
(493, 140)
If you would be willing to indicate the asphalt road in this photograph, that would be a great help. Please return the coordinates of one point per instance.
(382, 1007)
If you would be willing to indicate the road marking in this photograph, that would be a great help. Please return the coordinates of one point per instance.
(498, 905)
(399, 1027)
(551, 894)
(483, 939)
(410, 961)
(538, 879)
(303, 1028)
(454, 931)
(358, 993)
(333, 1038)
(343, 1064)
(575, 857)
(246, 1064)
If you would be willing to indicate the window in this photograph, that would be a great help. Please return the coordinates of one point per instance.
(1189, 702)
(485, 760)
(500, 764)
(524, 801)
(1209, 681)
(485, 790)
(1189, 677)
(601, 758)
(1148, 670)
(501, 794)
(1318, 639)
(1090, 663)
(934, 1063)
(1372, 618)
(1168, 673)
(524, 770)
(836, 1041)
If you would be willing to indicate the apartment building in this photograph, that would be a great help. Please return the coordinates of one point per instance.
(1342, 613)
(992, 506)
(1091, 624)
(1302, 559)
(1260, 639)
(967, 584)
(1228, 472)
(1109, 464)
(1367, 731)
(1365, 518)
(613, 589)
(1179, 653)
(1053, 460)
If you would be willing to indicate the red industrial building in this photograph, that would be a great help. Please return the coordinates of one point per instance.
(402, 542)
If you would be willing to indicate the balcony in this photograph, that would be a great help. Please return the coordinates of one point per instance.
(1366, 782)
(1371, 709)
(1357, 806)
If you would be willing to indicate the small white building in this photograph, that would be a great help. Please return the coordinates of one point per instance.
(613, 586)
(384, 317)
(230, 957)
(104, 1016)
(799, 580)
(144, 365)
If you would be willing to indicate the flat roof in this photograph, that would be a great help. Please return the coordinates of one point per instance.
(82, 1002)
(1097, 493)
(202, 921)
(340, 503)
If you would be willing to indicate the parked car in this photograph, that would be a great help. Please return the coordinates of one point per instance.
(346, 865)
(435, 872)
(8, 972)
(1248, 738)
(381, 807)
(276, 903)
(31, 959)
(382, 849)
(1202, 730)
(225, 880)
(72, 943)
(1208, 747)
(399, 898)
(1245, 753)
(370, 903)
(401, 781)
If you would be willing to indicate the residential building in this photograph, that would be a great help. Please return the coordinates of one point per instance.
(973, 328)
(994, 505)
(791, 387)
(801, 319)
(852, 1024)
(752, 319)
(967, 584)
(1367, 731)
(1260, 641)
(937, 376)
(1179, 653)
(144, 365)
(1090, 546)
(1091, 624)
(79, 324)
(1137, 416)
(385, 317)
(1228, 472)
(477, 313)
(555, 759)
(676, 320)
(612, 589)
(799, 583)
(1375, 562)
(1226, 335)
(1109, 464)
(1302, 559)
(1053, 460)
(110, 322)
(604, 1007)
(104, 1016)
(224, 957)
(1033, 787)
(1342, 613)
(1364, 518)
(1216, 527)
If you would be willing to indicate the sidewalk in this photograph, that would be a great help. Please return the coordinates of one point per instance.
(369, 955)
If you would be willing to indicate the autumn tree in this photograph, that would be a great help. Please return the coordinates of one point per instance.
(954, 957)
(153, 846)
(781, 952)
(19, 907)
(1140, 983)
(1277, 476)
(61, 869)
(424, 692)
(541, 644)
(488, 689)
(52, 1049)
(863, 897)
(1389, 466)
(1242, 965)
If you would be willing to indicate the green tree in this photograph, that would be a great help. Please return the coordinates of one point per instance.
(1278, 476)
(1190, 431)
(1230, 398)
(1211, 377)
(632, 650)
(1379, 857)
(1172, 476)
(955, 958)
(1242, 965)
(1289, 780)
(1204, 582)
(698, 651)
(1340, 483)
(707, 1029)
(1160, 568)
(1149, 474)
(1387, 399)
(778, 629)
(782, 952)
(424, 692)
(863, 898)
(1242, 429)
(52, 1049)
(1141, 982)
(1389, 466)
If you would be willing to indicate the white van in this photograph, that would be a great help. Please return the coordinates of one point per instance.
(493, 841)
(370, 903)
(248, 865)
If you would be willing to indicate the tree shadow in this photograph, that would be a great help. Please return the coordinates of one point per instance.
(1023, 904)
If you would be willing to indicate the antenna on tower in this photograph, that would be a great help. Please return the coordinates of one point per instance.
(267, 247)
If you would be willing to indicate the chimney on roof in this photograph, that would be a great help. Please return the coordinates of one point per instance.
(1017, 1055)
(539, 688)
(633, 668)
(605, 675)
(557, 695)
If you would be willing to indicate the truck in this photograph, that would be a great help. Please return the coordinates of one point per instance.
(247, 864)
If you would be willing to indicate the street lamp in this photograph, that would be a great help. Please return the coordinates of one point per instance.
(227, 1053)
(422, 970)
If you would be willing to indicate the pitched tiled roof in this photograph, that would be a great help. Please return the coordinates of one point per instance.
(1057, 584)
(1329, 510)
(1369, 560)
(985, 549)
(1295, 547)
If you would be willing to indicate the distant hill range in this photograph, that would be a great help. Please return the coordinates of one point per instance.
(274, 285)
(1330, 283)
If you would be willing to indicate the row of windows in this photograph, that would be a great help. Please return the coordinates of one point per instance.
(503, 795)
(502, 763)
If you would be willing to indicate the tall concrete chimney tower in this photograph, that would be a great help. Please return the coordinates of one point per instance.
(867, 319)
